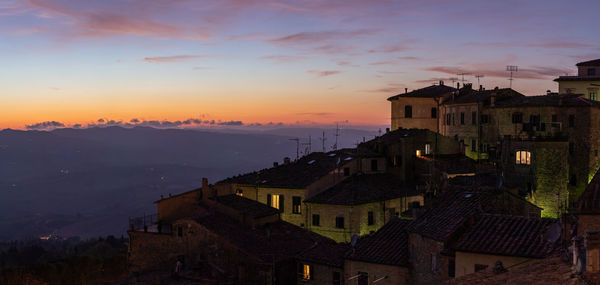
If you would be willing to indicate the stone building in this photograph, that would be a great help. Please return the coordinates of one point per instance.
(285, 186)
(229, 238)
(419, 109)
(380, 258)
(360, 205)
(322, 264)
(512, 240)
(466, 117)
(586, 82)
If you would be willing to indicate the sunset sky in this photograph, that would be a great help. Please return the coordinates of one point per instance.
(295, 62)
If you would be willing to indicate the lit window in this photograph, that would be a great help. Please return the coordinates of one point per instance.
(296, 205)
(275, 201)
(523, 157)
(239, 192)
(427, 149)
(306, 272)
(593, 96)
(418, 152)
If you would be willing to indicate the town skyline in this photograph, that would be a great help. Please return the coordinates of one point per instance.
(285, 62)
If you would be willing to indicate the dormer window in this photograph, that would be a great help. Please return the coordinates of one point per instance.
(523, 157)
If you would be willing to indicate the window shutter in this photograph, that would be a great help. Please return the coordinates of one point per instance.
(269, 199)
(281, 203)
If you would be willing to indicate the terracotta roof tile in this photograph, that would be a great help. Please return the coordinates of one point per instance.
(246, 206)
(389, 245)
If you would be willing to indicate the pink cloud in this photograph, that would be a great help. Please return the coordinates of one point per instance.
(408, 58)
(324, 73)
(389, 49)
(316, 37)
(283, 58)
(382, 62)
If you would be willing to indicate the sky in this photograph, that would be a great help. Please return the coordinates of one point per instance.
(251, 63)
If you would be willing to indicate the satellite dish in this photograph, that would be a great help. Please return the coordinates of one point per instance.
(353, 240)
(553, 233)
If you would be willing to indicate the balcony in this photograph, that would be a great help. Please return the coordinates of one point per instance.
(149, 224)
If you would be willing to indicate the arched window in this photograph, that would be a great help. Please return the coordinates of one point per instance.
(523, 157)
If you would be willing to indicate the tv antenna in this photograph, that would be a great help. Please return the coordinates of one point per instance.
(323, 139)
(337, 134)
(297, 140)
(478, 77)
(453, 79)
(463, 76)
(511, 68)
(309, 144)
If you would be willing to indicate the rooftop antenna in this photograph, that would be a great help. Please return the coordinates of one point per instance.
(478, 77)
(337, 134)
(463, 77)
(297, 147)
(309, 144)
(453, 79)
(511, 68)
(323, 139)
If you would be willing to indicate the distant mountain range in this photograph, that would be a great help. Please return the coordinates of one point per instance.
(87, 182)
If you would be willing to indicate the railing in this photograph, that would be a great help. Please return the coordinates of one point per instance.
(149, 223)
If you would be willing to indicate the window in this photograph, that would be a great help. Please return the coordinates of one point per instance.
(408, 111)
(535, 121)
(275, 201)
(523, 157)
(591, 72)
(453, 121)
(593, 96)
(474, 118)
(370, 218)
(373, 164)
(346, 171)
(339, 222)
(427, 148)
(316, 220)
(554, 118)
(451, 267)
(239, 192)
(484, 148)
(306, 272)
(337, 278)
(448, 119)
(397, 160)
(517, 118)
(462, 118)
(473, 145)
(363, 278)
(571, 148)
(296, 205)
(479, 267)
(434, 112)
(485, 119)
(433, 263)
(571, 121)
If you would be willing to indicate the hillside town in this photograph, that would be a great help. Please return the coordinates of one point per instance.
(468, 185)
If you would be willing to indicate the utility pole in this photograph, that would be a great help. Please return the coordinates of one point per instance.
(323, 139)
(511, 68)
(308, 150)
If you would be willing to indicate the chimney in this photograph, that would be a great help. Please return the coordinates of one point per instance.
(457, 85)
(387, 130)
(286, 160)
(275, 164)
(548, 92)
(480, 87)
(441, 82)
(405, 90)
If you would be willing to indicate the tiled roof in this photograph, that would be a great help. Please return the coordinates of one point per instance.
(298, 174)
(452, 163)
(365, 188)
(564, 100)
(270, 242)
(546, 271)
(589, 201)
(441, 222)
(595, 62)
(389, 245)
(507, 235)
(246, 206)
(577, 78)
(432, 91)
(325, 253)
(394, 137)
(468, 95)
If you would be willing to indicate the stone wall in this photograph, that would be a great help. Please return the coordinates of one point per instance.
(421, 113)
(428, 264)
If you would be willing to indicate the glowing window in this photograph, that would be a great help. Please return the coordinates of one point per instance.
(275, 201)
(418, 152)
(427, 149)
(523, 157)
(306, 272)
(239, 192)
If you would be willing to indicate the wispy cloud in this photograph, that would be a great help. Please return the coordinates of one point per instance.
(389, 49)
(283, 58)
(536, 72)
(319, 114)
(322, 73)
(173, 58)
(45, 125)
(408, 58)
